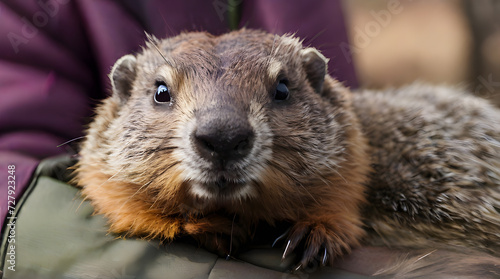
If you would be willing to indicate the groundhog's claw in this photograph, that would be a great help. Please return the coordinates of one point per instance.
(294, 238)
(279, 238)
(319, 245)
(288, 250)
(325, 257)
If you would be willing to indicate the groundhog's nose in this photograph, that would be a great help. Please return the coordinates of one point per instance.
(223, 140)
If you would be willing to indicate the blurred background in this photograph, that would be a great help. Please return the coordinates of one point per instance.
(395, 42)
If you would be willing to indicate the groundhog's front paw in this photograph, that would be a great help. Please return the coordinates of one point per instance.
(321, 245)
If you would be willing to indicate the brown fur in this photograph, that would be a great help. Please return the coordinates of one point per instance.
(312, 161)
(436, 154)
(131, 170)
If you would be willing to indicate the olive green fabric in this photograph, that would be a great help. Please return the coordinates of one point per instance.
(58, 237)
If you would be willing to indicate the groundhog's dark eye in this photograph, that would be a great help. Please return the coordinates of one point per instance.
(162, 94)
(282, 93)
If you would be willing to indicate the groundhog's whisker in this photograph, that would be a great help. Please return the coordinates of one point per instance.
(158, 175)
(310, 41)
(231, 238)
(269, 59)
(111, 177)
(133, 195)
(330, 167)
(153, 41)
(291, 178)
(70, 141)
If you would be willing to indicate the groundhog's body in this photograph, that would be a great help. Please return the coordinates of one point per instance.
(436, 158)
(208, 136)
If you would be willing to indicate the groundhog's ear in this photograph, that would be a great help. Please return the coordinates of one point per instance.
(121, 76)
(315, 65)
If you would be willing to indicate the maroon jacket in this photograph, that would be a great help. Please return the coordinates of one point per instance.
(55, 56)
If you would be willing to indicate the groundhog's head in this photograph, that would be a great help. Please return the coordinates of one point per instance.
(243, 116)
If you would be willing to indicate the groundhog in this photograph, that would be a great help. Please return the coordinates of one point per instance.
(210, 136)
